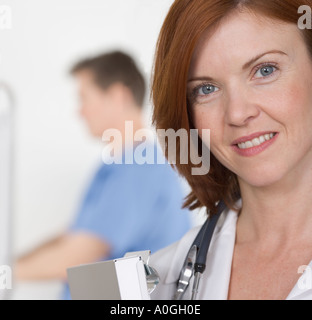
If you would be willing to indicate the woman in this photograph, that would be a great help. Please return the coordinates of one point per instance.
(242, 68)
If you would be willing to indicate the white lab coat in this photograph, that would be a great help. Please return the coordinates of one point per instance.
(214, 283)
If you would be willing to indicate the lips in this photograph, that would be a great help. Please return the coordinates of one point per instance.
(252, 136)
(254, 143)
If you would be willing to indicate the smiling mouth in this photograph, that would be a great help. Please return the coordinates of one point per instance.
(256, 141)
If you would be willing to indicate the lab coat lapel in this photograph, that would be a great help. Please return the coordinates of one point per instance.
(177, 260)
(303, 288)
(216, 279)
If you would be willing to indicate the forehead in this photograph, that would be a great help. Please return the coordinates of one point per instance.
(85, 76)
(86, 82)
(242, 35)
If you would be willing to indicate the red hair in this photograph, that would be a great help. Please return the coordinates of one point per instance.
(180, 33)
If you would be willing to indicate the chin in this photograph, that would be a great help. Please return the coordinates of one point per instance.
(95, 133)
(261, 178)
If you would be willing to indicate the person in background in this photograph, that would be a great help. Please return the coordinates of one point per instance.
(126, 207)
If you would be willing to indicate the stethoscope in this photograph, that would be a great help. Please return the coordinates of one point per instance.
(195, 261)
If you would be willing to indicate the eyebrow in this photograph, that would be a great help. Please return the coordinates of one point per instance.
(245, 66)
(253, 60)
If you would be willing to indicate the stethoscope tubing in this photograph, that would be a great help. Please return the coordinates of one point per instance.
(201, 243)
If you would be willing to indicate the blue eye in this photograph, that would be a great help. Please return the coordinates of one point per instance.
(206, 90)
(265, 71)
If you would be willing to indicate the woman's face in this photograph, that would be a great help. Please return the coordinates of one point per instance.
(250, 83)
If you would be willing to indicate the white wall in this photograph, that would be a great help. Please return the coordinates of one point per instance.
(54, 153)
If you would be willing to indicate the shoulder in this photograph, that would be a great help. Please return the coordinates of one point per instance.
(140, 162)
(170, 251)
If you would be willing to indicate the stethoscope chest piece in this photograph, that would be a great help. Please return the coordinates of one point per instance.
(186, 273)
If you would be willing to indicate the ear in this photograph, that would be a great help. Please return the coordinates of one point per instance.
(120, 94)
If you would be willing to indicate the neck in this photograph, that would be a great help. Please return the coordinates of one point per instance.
(130, 124)
(126, 125)
(280, 213)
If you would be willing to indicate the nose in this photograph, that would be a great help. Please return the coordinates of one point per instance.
(240, 108)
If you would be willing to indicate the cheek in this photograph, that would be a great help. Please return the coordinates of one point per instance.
(300, 115)
(302, 101)
(208, 119)
(94, 109)
(205, 118)
(293, 105)
(197, 117)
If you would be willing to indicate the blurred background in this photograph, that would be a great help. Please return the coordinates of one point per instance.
(54, 154)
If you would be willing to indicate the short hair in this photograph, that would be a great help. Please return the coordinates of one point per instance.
(112, 67)
(185, 23)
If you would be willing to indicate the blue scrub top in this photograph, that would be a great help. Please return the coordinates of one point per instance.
(133, 207)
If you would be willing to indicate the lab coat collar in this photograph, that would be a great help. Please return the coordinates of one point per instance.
(303, 288)
(216, 279)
